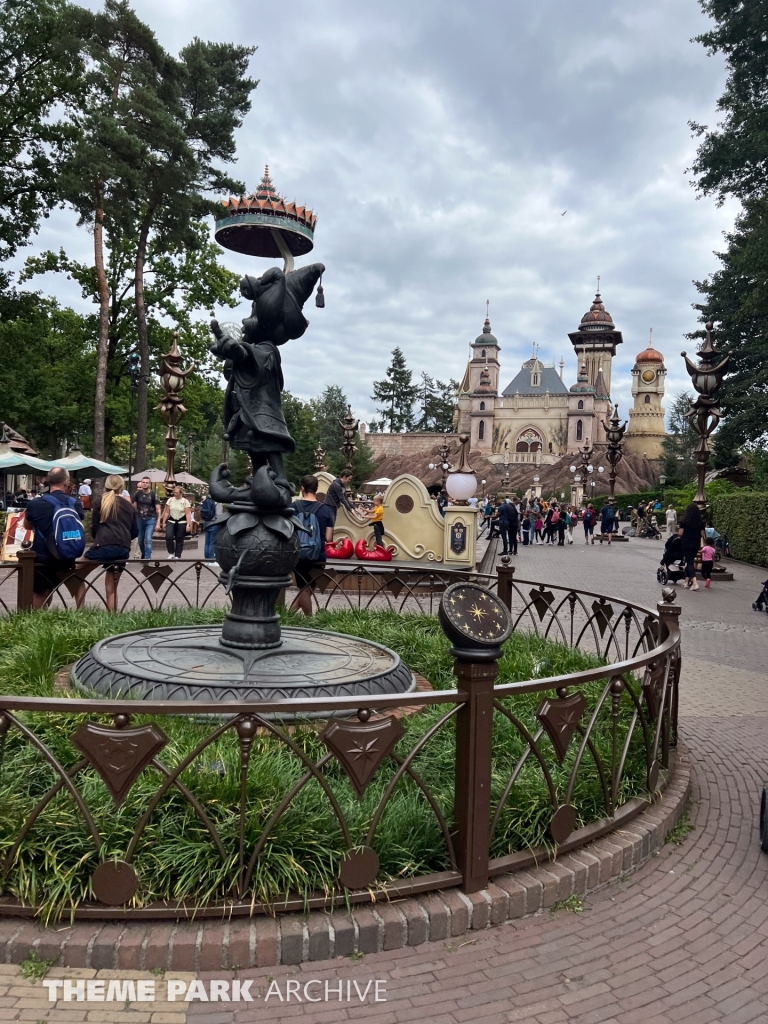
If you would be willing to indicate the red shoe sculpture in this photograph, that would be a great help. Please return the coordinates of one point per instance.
(378, 554)
(341, 549)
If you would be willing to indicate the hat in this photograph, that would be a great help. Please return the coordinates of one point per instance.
(87, 480)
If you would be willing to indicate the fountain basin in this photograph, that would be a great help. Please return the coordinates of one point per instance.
(188, 663)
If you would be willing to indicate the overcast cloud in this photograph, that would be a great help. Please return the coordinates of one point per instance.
(439, 144)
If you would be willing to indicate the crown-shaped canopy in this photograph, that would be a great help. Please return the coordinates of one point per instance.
(249, 223)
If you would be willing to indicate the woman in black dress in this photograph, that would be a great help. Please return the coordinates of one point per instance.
(691, 532)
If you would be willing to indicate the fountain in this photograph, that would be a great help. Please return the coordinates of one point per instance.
(251, 657)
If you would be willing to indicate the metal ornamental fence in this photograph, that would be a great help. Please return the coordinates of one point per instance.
(586, 723)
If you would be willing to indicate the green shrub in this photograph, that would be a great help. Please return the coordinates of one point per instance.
(743, 515)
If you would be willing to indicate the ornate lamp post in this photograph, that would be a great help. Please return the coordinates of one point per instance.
(349, 426)
(614, 449)
(319, 459)
(461, 482)
(705, 413)
(171, 409)
(583, 468)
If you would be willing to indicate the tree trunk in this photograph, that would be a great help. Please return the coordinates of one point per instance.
(99, 404)
(142, 394)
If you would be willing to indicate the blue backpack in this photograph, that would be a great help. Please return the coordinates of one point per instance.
(311, 543)
(66, 541)
(608, 514)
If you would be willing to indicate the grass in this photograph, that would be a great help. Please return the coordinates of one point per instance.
(176, 860)
(680, 832)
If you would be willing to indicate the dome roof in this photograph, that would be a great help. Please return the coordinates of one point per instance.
(597, 318)
(650, 355)
(582, 385)
(486, 338)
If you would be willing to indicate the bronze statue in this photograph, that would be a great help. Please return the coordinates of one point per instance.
(253, 416)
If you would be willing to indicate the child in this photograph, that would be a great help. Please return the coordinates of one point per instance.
(707, 560)
(376, 516)
(761, 604)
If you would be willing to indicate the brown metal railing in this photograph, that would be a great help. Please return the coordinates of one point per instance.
(636, 685)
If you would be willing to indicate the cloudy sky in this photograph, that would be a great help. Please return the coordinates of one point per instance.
(440, 141)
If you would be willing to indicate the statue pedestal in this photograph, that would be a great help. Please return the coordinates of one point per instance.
(252, 623)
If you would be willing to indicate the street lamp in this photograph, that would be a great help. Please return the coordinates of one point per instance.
(483, 483)
(662, 481)
(461, 482)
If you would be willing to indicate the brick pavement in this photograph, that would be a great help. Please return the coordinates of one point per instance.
(684, 938)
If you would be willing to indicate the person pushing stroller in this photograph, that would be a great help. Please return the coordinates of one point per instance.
(761, 604)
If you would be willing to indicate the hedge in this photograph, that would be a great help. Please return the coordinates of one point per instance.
(744, 516)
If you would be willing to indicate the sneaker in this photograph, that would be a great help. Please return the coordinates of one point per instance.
(170, 558)
(706, 583)
(695, 585)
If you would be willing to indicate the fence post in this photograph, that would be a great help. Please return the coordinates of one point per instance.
(475, 673)
(669, 626)
(25, 575)
(505, 575)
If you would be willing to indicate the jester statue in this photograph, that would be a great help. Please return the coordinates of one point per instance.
(253, 416)
(256, 545)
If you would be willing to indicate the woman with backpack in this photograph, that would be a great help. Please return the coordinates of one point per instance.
(113, 526)
(588, 519)
(318, 521)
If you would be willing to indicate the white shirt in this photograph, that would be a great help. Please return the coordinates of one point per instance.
(84, 490)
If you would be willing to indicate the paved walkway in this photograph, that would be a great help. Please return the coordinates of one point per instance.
(683, 939)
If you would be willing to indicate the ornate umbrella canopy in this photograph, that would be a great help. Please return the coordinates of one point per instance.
(76, 461)
(265, 224)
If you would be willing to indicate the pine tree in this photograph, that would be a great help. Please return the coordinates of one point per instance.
(679, 444)
(329, 409)
(396, 394)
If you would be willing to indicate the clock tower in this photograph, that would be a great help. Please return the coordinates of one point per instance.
(646, 417)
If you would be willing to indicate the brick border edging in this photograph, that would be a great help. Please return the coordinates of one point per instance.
(296, 938)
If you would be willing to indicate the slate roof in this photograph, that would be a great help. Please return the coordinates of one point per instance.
(549, 381)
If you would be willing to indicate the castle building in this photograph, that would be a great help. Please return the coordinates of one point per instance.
(537, 418)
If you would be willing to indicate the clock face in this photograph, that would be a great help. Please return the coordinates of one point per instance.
(471, 615)
(649, 376)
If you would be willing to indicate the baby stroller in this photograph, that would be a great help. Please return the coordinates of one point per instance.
(673, 553)
(761, 604)
(649, 529)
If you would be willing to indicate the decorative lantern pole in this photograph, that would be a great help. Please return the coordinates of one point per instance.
(705, 413)
(171, 409)
(444, 451)
(614, 449)
(461, 482)
(349, 426)
(319, 459)
(582, 469)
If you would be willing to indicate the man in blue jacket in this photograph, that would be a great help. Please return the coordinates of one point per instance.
(508, 523)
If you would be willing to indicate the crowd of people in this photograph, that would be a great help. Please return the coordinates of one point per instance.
(540, 522)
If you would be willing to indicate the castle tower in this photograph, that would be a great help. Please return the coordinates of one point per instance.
(595, 342)
(479, 390)
(646, 417)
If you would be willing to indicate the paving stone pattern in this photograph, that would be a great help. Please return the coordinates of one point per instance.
(683, 938)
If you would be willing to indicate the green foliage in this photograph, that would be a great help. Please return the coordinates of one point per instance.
(743, 516)
(303, 428)
(732, 159)
(679, 444)
(436, 401)
(46, 369)
(42, 70)
(679, 832)
(34, 968)
(175, 859)
(736, 297)
(396, 394)
(328, 411)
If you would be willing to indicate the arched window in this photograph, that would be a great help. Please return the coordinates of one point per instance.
(647, 399)
(482, 355)
(482, 407)
(529, 441)
(579, 430)
(580, 405)
(481, 430)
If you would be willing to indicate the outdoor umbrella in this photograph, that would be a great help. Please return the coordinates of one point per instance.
(15, 463)
(187, 478)
(383, 481)
(75, 462)
(156, 476)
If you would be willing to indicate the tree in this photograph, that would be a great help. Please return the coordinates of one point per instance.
(732, 159)
(736, 297)
(42, 73)
(300, 420)
(46, 368)
(679, 444)
(396, 394)
(329, 409)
